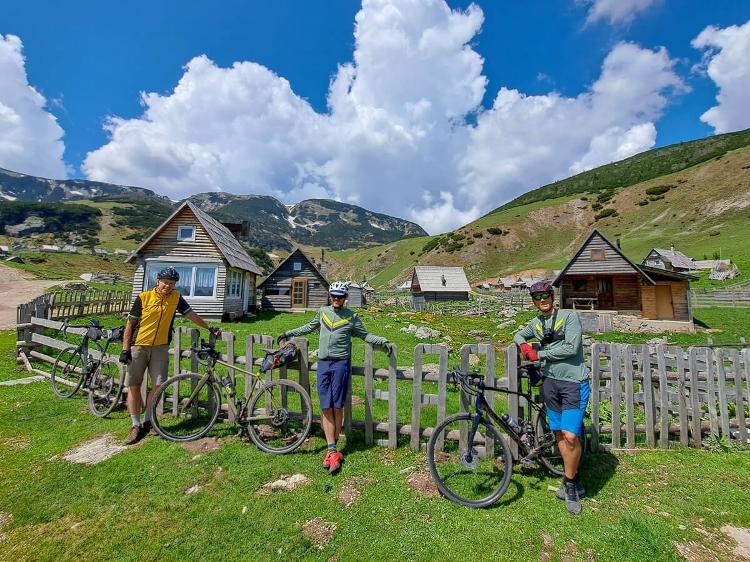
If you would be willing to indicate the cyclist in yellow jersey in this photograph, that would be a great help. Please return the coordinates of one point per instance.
(148, 333)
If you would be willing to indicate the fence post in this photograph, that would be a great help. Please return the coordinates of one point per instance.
(663, 397)
(711, 391)
(681, 398)
(738, 399)
(616, 354)
(304, 364)
(595, 397)
(722, 383)
(511, 371)
(392, 402)
(176, 356)
(629, 398)
(228, 337)
(695, 404)
(416, 396)
(369, 395)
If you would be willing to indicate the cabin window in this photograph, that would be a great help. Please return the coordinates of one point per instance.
(234, 284)
(195, 280)
(274, 291)
(597, 254)
(579, 285)
(186, 233)
(297, 266)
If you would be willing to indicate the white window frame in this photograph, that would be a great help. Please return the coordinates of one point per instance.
(297, 266)
(159, 265)
(185, 238)
(234, 280)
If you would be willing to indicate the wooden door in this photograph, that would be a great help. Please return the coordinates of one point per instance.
(299, 293)
(664, 307)
(604, 295)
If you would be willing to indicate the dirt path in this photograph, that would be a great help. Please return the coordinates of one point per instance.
(17, 287)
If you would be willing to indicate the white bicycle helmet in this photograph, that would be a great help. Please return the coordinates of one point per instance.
(339, 289)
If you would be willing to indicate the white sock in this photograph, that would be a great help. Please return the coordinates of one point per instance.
(136, 419)
(147, 416)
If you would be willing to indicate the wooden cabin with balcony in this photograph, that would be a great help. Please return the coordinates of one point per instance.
(296, 284)
(601, 277)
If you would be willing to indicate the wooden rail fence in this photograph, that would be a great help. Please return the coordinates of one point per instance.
(659, 396)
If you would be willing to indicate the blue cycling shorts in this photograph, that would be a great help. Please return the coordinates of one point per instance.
(566, 403)
(333, 382)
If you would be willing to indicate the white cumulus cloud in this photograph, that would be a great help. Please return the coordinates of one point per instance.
(30, 137)
(397, 137)
(616, 11)
(727, 62)
(527, 141)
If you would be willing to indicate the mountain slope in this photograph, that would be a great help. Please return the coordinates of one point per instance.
(704, 210)
(134, 212)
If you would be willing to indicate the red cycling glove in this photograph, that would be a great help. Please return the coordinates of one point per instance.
(529, 353)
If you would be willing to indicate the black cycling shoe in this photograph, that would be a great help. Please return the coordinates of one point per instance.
(561, 492)
(572, 499)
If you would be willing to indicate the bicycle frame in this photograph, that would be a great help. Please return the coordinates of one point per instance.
(210, 378)
(485, 411)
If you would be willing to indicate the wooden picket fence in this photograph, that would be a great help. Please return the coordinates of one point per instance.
(73, 304)
(659, 396)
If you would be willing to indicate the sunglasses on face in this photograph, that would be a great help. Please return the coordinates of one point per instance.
(541, 296)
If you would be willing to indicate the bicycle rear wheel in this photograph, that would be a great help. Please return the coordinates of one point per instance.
(278, 417)
(67, 372)
(473, 475)
(106, 388)
(193, 416)
(550, 455)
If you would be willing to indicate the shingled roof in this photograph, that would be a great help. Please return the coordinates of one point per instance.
(225, 241)
(439, 279)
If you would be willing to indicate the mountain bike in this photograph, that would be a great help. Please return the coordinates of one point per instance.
(276, 415)
(468, 453)
(76, 368)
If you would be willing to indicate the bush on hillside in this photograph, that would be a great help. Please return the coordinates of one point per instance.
(643, 203)
(477, 235)
(495, 231)
(431, 244)
(658, 189)
(606, 213)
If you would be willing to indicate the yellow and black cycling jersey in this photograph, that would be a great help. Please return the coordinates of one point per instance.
(154, 315)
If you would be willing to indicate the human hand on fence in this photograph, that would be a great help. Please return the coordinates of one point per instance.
(389, 348)
(529, 353)
(215, 332)
(126, 357)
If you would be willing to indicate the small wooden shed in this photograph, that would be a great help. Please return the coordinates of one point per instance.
(296, 284)
(217, 276)
(439, 283)
(671, 260)
(600, 277)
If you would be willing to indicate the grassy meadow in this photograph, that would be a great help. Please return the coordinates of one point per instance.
(159, 501)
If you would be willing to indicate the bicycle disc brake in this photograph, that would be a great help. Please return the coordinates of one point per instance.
(280, 417)
(470, 459)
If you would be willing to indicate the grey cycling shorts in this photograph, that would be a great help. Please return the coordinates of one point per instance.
(154, 358)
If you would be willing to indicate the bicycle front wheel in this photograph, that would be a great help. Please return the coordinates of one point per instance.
(188, 414)
(67, 372)
(279, 416)
(106, 388)
(473, 475)
(550, 455)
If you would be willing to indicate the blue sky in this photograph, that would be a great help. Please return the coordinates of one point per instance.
(432, 111)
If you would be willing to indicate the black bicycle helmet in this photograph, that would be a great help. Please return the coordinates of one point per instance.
(169, 273)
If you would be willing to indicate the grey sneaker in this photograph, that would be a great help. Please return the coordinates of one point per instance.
(561, 492)
(572, 500)
(134, 435)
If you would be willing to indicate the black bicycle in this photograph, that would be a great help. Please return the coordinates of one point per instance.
(75, 368)
(468, 453)
(276, 415)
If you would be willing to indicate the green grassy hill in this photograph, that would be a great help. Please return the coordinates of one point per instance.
(703, 209)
